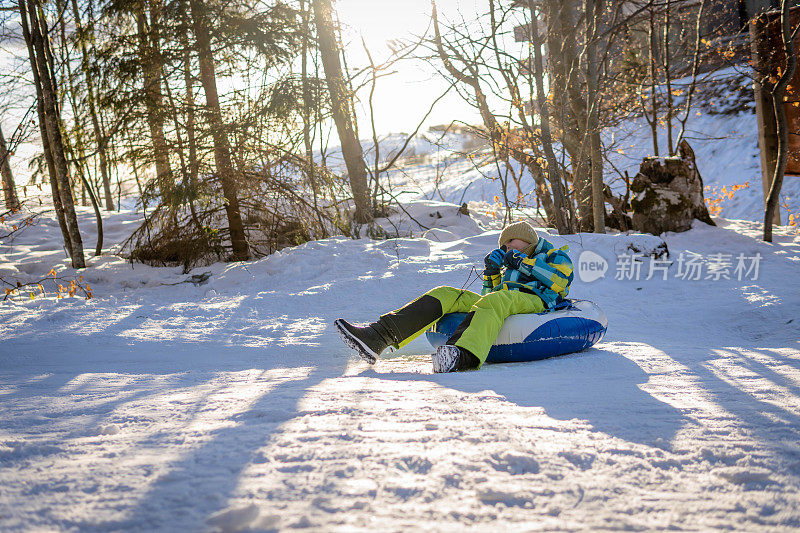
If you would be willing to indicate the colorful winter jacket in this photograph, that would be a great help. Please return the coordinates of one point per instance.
(546, 272)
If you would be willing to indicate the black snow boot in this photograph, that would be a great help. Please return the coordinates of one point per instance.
(369, 341)
(450, 358)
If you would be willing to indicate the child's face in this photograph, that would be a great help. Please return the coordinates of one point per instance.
(517, 244)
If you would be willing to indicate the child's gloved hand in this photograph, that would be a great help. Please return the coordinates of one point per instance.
(494, 260)
(513, 259)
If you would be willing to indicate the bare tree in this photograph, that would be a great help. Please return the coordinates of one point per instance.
(468, 73)
(569, 103)
(592, 14)
(47, 154)
(75, 147)
(151, 61)
(559, 198)
(342, 106)
(652, 118)
(40, 54)
(668, 77)
(9, 190)
(695, 65)
(778, 93)
(222, 150)
(99, 136)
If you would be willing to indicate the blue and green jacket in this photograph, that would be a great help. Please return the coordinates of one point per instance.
(546, 272)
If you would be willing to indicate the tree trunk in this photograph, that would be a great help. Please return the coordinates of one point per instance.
(48, 156)
(654, 122)
(9, 189)
(351, 147)
(222, 150)
(306, 94)
(79, 158)
(90, 92)
(308, 106)
(567, 95)
(553, 177)
(188, 81)
(667, 79)
(778, 93)
(194, 163)
(593, 11)
(150, 57)
(55, 144)
(86, 187)
(687, 104)
(543, 192)
(763, 63)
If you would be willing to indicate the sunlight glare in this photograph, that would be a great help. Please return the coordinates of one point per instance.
(400, 100)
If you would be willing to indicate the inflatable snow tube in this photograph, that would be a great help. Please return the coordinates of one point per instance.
(573, 326)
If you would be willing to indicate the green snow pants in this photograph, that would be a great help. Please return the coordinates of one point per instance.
(478, 331)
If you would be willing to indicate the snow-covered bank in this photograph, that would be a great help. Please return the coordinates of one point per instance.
(721, 129)
(458, 166)
(232, 404)
(725, 146)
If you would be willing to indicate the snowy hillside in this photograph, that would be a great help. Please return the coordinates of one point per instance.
(721, 129)
(455, 165)
(231, 405)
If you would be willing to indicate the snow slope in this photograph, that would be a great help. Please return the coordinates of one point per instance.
(725, 146)
(233, 405)
(725, 143)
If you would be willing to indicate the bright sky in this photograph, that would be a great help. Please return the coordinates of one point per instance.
(401, 100)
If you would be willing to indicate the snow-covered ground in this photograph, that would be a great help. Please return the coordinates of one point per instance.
(232, 405)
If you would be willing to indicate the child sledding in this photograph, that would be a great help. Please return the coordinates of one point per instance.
(526, 274)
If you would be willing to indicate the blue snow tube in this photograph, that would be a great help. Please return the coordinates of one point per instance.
(572, 326)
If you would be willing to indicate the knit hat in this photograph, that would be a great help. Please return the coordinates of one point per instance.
(519, 230)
